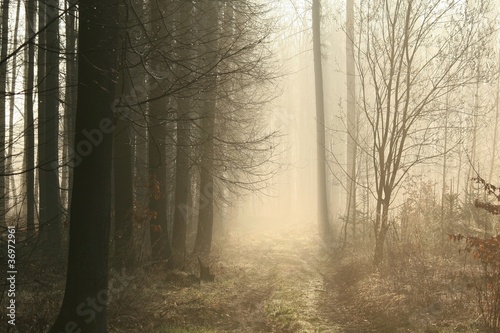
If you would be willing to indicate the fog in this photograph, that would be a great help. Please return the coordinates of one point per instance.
(250, 166)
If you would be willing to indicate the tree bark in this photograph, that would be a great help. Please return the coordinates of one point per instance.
(324, 225)
(10, 187)
(29, 137)
(181, 179)
(42, 92)
(206, 198)
(49, 158)
(86, 294)
(183, 143)
(158, 176)
(204, 232)
(123, 196)
(70, 102)
(352, 121)
(381, 228)
(3, 101)
(157, 139)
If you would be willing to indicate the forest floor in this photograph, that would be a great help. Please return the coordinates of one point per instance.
(281, 280)
(277, 280)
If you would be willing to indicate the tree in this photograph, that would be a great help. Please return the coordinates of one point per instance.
(3, 101)
(10, 187)
(324, 226)
(157, 134)
(123, 184)
(352, 119)
(29, 138)
(48, 124)
(41, 94)
(70, 101)
(87, 276)
(182, 165)
(410, 54)
(206, 195)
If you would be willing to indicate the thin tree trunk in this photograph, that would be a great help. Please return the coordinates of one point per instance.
(157, 138)
(475, 115)
(495, 133)
(87, 276)
(3, 101)
(29, 137)
(70, 102)
(445, 162)
(352, 131)
(324, 226)
(10, 185)
(41, 84)
(181, 178)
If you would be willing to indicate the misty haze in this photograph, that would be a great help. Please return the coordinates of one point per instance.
(249, 166)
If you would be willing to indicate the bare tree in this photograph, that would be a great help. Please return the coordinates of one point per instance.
(410, 54)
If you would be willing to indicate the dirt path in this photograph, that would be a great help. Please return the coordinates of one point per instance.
(277, 280)
(282, 283)
(290, 284)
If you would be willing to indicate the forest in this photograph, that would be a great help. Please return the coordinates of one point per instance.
(212, 166)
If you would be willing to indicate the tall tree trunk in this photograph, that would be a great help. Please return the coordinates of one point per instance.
(123, 196)
(3, 101)
(206, 196)
(50, 226)
(445, 162)
(495, 132)
(41, 85)
(181, 178)
(29, 137)
(123, 188)
(10, 187)
(70, 102)
(352, 121)
(158, 176)
(324, 225)
(87, 276)
(475, 114)
(183, 143)
(157, 139)
(124, 206)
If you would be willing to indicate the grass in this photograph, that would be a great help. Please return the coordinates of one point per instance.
(283, 283)
(183, 330)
